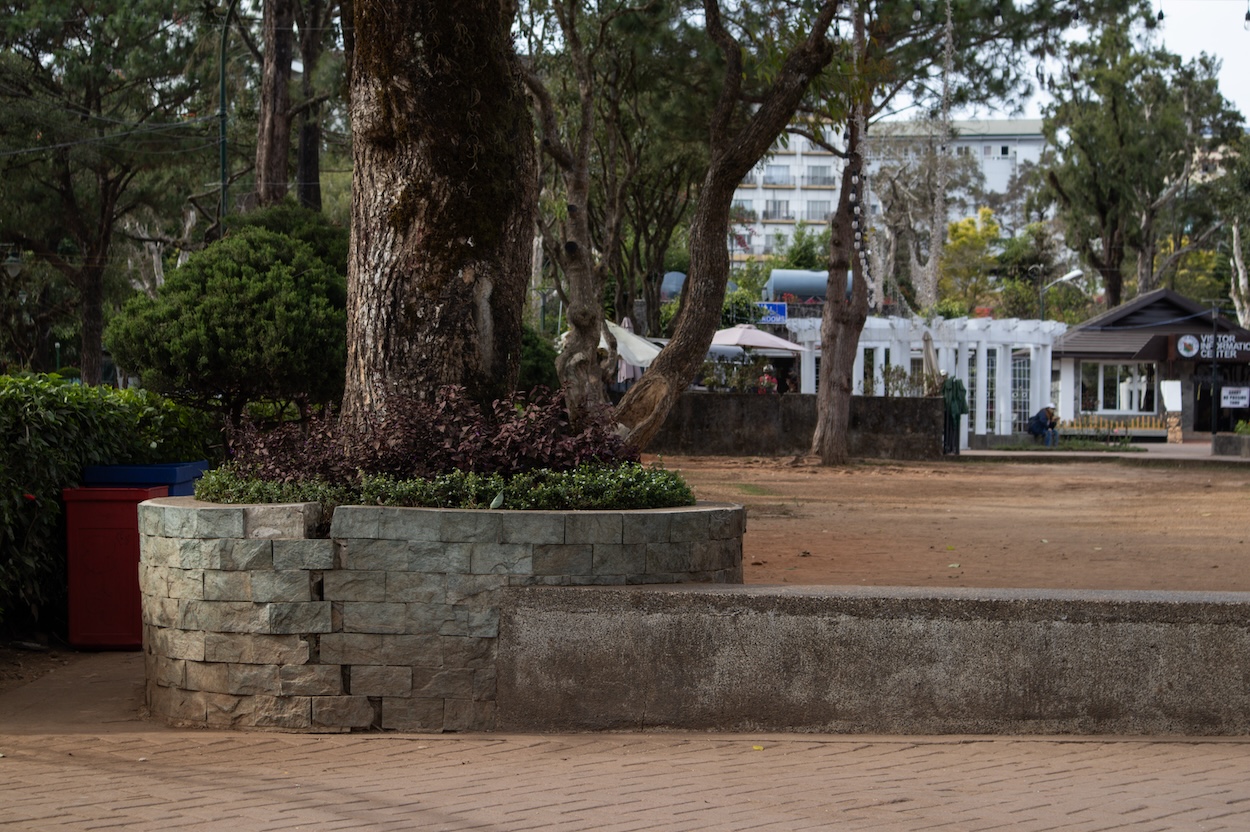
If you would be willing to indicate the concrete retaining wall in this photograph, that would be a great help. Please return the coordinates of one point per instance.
(1230, 444)
(391, 623)
(896, 661)
(747, 424)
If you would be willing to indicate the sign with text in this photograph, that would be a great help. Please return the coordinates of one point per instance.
(774, 313)
(1235, 397)
(1209, 346)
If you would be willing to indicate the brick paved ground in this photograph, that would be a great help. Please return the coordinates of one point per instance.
(76, 757)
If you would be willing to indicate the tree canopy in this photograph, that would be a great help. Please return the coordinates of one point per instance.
(254, 317)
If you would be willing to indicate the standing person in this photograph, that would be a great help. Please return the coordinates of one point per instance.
(954, 405)
(1046, 425)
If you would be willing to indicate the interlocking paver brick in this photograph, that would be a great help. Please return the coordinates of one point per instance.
(79, 758)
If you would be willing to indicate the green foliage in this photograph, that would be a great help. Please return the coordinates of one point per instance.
(100, 129)
(949, 308)
(256, 316)
(538, 362)
(328, 241)
(1243, 428)
(968, 260)
(1127, 121)
(53, 430)
(587, 487)
(807, 249)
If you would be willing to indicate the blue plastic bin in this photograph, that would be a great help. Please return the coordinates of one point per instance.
(178, 477)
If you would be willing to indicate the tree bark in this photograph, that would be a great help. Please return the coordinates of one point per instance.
(841, 323)
(314, 16)
(273, 129)
(642, 411)
(1239, 286)
(442, 203)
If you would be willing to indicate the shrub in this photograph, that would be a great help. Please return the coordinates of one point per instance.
(254, 317)
(329, 241)
(52, 430)
(420, 439)
(587, 487)
(538, 362)
(449, 452)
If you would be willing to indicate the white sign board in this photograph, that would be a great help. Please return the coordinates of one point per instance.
(1235, 397)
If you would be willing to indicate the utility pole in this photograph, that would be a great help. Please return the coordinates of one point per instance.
(1215, 370)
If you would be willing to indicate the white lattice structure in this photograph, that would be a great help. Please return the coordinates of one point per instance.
(1021, 383)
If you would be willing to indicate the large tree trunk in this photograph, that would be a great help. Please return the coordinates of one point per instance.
(642, 411)
(442, 203)
(273, 129)
(840, 327)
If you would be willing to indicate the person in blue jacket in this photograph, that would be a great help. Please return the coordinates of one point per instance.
(1045, 424)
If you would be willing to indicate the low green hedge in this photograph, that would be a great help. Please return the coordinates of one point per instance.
(51, 430)
(625, 486)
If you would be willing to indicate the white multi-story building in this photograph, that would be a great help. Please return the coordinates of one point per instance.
(799, 183)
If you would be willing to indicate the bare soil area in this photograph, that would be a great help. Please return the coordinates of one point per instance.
(1073, 525)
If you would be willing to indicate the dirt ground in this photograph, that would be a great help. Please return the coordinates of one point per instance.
(1075, 525)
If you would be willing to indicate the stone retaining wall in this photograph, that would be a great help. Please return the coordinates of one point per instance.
(392, 623)
(875, 660)
(738, 424)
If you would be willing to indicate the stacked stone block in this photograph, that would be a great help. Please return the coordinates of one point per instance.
(392, 623)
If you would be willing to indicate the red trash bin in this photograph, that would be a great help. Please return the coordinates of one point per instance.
(102, 537)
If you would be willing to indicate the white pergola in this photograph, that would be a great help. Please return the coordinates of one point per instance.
(956, 342)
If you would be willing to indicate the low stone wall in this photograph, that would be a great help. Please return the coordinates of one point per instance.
(736, 424)
(1230, 444)
(877, 660)
(392, 623)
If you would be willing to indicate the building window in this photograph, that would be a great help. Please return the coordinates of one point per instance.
(742, 211)
(818, 210)
(987, 151)
(1006, 151)
(820, 176)
(777, 209)
(962, 150)
(777, 175)
(1118, 388)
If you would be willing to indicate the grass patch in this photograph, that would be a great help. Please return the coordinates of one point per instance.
(754, 490)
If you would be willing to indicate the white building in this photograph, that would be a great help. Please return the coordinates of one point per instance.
(799, 183)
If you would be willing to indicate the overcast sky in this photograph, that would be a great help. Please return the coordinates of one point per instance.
(1190, 27)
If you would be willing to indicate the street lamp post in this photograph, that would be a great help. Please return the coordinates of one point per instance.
(1041, 293)
(221, 115)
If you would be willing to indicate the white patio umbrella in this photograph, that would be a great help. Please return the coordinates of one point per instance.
(633, 349)
(745, 335)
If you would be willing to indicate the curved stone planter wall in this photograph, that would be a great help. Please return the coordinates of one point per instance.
(392, 623)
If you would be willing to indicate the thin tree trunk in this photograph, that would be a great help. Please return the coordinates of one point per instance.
(642, 411)
(841, 323)
(90, 283)
(273, 129)
(442, 203)
(1239, 286)
(313, 18)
